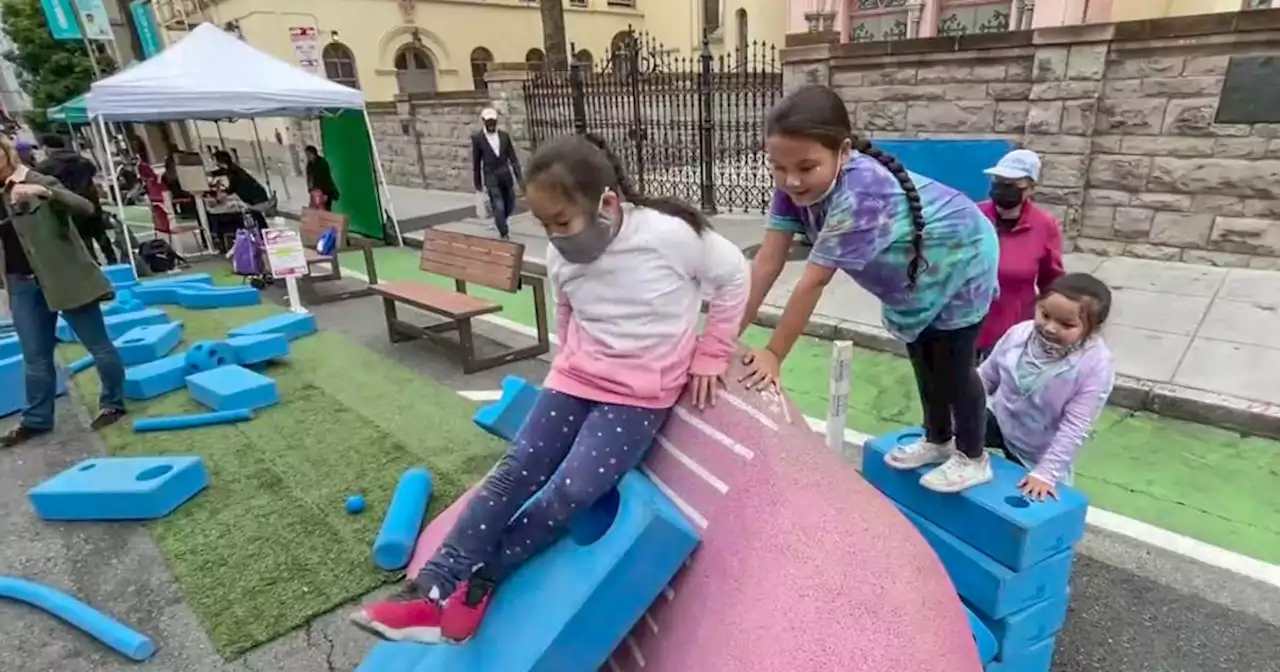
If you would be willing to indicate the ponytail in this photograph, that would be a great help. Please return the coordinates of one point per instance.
(667, 206)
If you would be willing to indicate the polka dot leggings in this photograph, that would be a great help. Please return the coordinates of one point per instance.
(573, 451)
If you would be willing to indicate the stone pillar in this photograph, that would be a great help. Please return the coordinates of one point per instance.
(806, 65)
(915, 10)
(506, 90)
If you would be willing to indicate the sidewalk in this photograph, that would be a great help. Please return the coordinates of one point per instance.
(415, 209)
(1191, 342)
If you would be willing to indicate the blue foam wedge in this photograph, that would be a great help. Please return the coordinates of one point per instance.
(148, 343)
(250, 350)
(601, 591)
(121, 276)
(231, 388)
(205, 297)
(993, 589)
(503, 418)
(290, 325)
(1038, 658)
(987, 647)
(120, 637)
(167, 423)
(993, 517)
(395, 542)
(1028, 627)
(150, 380)
(120, 488)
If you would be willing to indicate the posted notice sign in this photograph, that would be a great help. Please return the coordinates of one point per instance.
(306, 49)
(285, 254)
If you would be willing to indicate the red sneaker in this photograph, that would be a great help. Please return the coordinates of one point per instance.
(464, 610)
(405, 617)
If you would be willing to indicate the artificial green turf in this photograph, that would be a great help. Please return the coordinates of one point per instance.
(268, 546)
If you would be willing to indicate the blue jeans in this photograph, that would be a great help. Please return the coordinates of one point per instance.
(37, 326)
(502, 201)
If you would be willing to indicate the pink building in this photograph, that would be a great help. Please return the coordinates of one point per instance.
(871, 20)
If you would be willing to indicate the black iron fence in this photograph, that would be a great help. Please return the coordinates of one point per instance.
(684, 127)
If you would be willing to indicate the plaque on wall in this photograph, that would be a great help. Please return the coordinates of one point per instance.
(1251, 92)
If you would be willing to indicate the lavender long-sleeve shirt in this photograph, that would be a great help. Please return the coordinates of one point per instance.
(1045, 423)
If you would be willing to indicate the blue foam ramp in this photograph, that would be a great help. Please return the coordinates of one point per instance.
(993, 517)
(251, 350)
(1028, 627)
(125, 640)
(290, 325)
(232, 387)
(393, 657)
(601, 590)
(395, 542)
(1038, 658)
(503, 418)
(10, 347)
(204, 297)
(120, 488)
(150, 380)
(987, 647)
(120, 275)
(149, 343)
(165, 423)
(994, 590)
(185, 278)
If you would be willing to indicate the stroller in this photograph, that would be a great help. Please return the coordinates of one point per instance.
(249, 254)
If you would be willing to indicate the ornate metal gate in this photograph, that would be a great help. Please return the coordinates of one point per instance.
(684, 127)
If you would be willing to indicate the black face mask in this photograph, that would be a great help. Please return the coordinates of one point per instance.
(1006, 195)
(491, 126)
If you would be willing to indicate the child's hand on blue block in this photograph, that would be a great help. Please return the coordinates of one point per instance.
(1035, 489)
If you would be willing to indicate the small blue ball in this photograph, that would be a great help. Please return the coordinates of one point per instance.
(355, 504)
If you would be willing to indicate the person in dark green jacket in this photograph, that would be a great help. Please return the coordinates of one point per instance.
(47, 271)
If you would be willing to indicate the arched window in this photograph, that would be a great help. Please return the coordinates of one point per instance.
(340, 64)
(710, 17)
(535, 59)
(955, 18)
(740, 22)
(415, 72)
(583, 56)
(620, 43)
(481, 58)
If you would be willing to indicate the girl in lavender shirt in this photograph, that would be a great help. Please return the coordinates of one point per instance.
(1048, 379)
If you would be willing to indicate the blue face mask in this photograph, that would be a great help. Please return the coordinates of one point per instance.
(589, 244)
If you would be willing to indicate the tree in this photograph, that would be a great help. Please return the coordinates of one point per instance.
(50, 71)
(554, 41)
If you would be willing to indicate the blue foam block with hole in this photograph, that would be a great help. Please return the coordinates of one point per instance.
(393, 657)
(995, 591)
(10, 347)
(231, 388)
(250, 350)
(117, 325)
(601, 591)
(993, 517)
(13, 385)
(503, 418)
(120, 275)
(201, 297)
(982, 637)
(147, 344)
(403, 521)
(1028, 627)
(1038, 658)
(150, 380)
(120, 488)
(182, 279)
(290, 325)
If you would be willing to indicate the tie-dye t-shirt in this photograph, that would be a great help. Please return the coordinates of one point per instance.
(863, 227)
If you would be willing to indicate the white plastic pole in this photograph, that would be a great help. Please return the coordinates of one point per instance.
(295, 299)
(382, 178)
(838, 400)
(115, 189)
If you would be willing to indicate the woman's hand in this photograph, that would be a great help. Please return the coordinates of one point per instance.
(1036, 489)
(26, 192)
(763, 369)
(704, 390)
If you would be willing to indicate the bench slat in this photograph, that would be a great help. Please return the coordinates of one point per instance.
(437, 300)
(492, 263)
(489, 276)
(315, 222)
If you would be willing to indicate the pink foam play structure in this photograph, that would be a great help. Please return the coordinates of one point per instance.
(803, 564)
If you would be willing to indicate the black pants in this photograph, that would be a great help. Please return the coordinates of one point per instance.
(995, 439)
(92, 231)
(954, 401)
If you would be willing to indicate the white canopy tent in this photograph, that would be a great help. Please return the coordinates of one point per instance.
(211, 75)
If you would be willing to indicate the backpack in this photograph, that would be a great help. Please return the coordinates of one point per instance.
(159, 256)
(245, 259)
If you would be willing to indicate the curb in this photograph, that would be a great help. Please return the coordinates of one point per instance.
(1257, 418)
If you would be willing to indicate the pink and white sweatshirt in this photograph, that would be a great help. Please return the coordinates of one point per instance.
(628, 321)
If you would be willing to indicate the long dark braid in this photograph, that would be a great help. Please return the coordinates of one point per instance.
(817, 113)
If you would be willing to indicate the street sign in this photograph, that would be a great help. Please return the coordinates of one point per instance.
(61, 18)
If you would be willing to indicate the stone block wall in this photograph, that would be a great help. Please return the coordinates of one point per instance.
(1121, 114)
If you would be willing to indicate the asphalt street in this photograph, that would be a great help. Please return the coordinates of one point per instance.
(1135, 608)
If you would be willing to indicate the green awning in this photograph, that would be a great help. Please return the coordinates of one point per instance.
(74, 111)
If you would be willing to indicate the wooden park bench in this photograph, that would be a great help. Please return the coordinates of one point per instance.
(464, 258)
(314, 225)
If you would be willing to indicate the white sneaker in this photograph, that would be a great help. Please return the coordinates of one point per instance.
(917, 454)
(958, 473)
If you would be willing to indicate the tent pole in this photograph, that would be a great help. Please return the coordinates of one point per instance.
(262, 157)
(382, 178)
(119, 198)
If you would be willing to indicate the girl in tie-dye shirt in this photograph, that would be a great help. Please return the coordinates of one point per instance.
(924, 249)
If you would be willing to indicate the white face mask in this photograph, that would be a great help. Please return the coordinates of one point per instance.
(835, 180)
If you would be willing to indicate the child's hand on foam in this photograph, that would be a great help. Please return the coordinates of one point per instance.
(1036, 489)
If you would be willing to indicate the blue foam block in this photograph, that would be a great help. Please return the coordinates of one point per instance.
(149, 343)
(119, 307)
(955, 163)
(393, 657)
(166, 280)
(400, 527)
(290, 325)
(249, 350)
(1026, 628)
(601, 590)
(987, 646)
(204, 297)
(504, 417)
(117, 325)
(208, 355)
(1038, 658)
(13, 387)
(231, 388)
(994, 590)
(120, 488)
(993, 517)
(120, 275)
(10, 347)
(158, 295)
(166, 423)
(153, 379)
